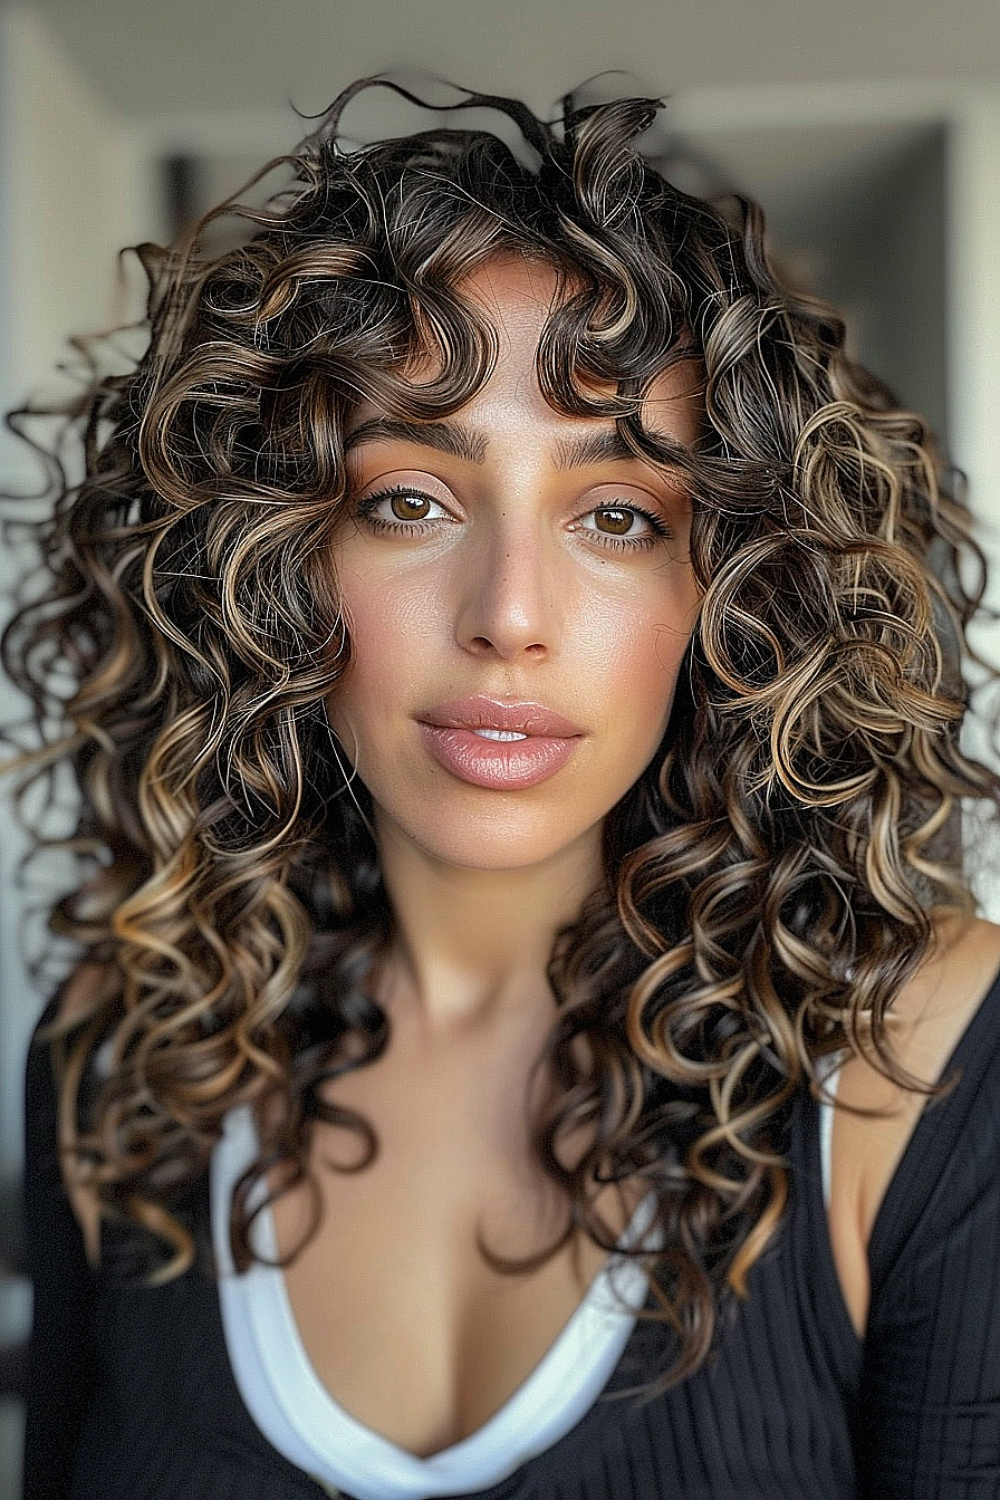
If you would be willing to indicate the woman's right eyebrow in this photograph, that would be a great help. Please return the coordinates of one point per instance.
(456, 438)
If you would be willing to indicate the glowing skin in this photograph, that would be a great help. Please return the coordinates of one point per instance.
(515, 574)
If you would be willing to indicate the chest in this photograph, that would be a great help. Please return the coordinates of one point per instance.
(403, 1318)
(769, 1414)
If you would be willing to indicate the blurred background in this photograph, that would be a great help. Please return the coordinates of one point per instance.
(870, 132)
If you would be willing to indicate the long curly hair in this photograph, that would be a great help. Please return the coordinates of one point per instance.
(767, 882)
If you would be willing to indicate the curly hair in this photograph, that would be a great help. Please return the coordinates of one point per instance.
(767, 882)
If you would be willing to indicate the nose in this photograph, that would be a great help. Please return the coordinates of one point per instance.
(507, 601)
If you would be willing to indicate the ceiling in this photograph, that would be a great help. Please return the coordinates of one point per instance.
(828, 186)
(153, 56)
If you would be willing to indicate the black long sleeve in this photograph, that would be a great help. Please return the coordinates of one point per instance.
(930, 1394)
(790, 1406)
(62, 1357)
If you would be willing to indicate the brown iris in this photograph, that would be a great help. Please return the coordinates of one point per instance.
(614, 519)
(409, 507)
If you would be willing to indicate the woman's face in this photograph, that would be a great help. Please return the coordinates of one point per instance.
(519, 596)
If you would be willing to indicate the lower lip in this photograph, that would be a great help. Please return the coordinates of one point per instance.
(504, 765)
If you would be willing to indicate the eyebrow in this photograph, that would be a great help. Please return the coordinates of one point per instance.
(595, 448)
(470, 444)
(456, 438)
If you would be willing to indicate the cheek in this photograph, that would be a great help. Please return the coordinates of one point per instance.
(648, 684)
(635, 649)
(392, 630)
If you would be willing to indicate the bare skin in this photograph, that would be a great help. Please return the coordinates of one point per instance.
(404, 1322)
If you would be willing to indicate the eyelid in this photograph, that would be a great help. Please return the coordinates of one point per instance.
(653, 500)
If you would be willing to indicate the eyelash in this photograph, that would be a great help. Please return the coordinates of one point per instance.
(366, 511)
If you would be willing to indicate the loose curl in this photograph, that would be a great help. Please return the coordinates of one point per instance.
(768, 881)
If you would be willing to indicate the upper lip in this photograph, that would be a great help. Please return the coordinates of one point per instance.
(479, 712)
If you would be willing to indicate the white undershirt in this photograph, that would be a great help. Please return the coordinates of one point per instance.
(301, 1419)
(828, 1070)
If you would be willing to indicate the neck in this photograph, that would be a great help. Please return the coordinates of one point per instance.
(471, 946)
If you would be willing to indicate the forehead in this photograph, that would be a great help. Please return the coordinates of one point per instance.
(515, 295)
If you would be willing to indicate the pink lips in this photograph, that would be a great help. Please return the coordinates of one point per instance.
(450, 733)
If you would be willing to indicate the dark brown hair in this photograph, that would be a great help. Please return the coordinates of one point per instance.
(767, 881)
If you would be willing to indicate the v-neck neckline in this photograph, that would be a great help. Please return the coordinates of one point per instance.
(550, 1400)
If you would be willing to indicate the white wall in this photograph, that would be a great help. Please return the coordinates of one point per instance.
(974, 325)
(66, 193)
(69, 169)
(65, 170)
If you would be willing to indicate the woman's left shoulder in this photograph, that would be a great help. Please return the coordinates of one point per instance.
(956, 987)
(953, 996)
(959, 977)
(926, 1298)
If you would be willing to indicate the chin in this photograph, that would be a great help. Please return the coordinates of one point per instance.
(495, 842)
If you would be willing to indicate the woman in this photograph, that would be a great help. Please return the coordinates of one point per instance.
(517, 727)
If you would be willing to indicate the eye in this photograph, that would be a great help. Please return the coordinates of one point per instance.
(624, 525)
(398, 508)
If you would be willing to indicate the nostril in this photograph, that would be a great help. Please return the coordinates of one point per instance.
(482, 643)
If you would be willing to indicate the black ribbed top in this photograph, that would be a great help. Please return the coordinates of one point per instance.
(132, 1396)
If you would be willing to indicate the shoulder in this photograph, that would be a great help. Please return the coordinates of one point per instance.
(956, 986)
(931, 1014)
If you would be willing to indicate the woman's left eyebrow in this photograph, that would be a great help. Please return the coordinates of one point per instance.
(595, 448)
(468, 443)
